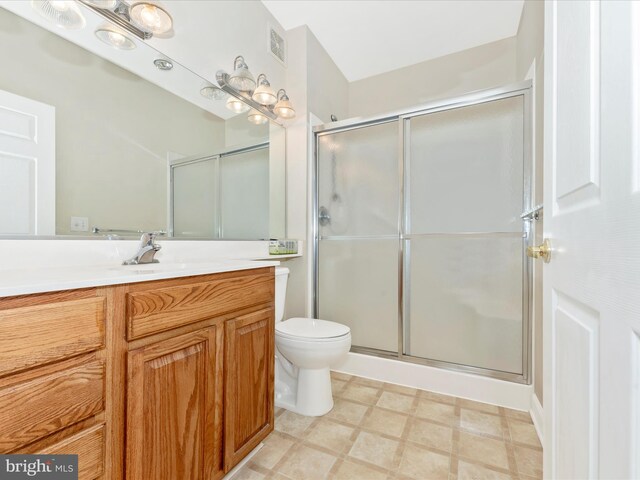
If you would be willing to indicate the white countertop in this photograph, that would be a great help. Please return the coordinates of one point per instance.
(49, 279)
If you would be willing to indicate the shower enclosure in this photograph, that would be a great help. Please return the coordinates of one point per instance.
(419, 244)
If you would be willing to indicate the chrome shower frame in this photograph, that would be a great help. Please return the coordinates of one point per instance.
(403, 118)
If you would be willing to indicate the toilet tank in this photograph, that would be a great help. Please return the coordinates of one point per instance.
(282, 274)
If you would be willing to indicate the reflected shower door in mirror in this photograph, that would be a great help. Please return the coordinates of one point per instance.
(107, 125)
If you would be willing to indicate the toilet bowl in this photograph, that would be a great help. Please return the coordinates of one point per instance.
(306, 348)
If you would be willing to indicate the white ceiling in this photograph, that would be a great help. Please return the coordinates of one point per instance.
(366, 38)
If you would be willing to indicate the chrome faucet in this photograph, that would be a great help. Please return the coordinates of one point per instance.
(148, 249)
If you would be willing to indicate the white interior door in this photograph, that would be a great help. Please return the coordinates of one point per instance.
(592, 217)
(27, 166)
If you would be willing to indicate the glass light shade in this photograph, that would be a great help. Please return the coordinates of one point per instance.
(257, 118)
(242, 79)
(151, 18)
(213, 93)
(284, 109)
(236, 105)
(64, 13)
(115, 39)
(264, 94)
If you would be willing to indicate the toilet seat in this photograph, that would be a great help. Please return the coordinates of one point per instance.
(311, 329)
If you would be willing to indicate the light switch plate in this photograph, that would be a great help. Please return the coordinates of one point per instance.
(79, 224)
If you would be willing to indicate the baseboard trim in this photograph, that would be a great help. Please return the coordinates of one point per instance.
(464, 385)
(537, 415)
(243, 462)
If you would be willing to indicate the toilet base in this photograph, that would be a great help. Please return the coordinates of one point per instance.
(308, 393)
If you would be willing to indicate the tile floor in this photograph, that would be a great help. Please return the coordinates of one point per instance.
(382, 431)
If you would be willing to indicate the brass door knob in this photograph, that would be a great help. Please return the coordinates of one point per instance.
(541, 251)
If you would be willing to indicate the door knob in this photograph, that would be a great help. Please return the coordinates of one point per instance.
(541, 251)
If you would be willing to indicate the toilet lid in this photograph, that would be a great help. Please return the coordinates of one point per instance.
(311, 328)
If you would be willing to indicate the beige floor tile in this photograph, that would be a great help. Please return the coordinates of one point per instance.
(529, 461)
(480, 422)
(375, 449)
(469, 471)
(369, 382)
(483, 449)
(438, 412)
(354, 471)
(245, 473)
(423, 464)
(383, 421)
(431, 435)
(275, 446)
(293, 424)
(483, 407)
(396, 402)
(392, 387)
(346, 411)
(307, 463)
(522, 432)
(331, 435)
(518, 415)
(360, 393)
(341, 376)
(437, 397)
(337, 385)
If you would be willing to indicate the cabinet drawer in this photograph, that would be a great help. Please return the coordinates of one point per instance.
(32, 336)
(89, 446)
(38, 406)
(163, 308)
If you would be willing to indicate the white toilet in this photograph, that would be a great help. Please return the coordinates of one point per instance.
(305, 349)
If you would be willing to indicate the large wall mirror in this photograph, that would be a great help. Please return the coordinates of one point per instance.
(99, 142)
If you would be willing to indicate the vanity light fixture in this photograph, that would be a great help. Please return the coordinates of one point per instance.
(115, 39)
(283, 108)
(236, 105)
(108, 4)
(243, 97)
(163, 64)
(256, 117)
(264, 94)
(150, 17)
(212, 93)
(64, 13)
(241, 79)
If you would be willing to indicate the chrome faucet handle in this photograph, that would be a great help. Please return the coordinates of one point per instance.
(148, 239)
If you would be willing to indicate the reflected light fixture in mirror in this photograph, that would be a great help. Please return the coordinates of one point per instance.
(236, 105)
(212, 93)
(115, 39)
(241, 79)
(283, 108)
(257, 118)
(64, 13)
(264, 94)
(150, 17)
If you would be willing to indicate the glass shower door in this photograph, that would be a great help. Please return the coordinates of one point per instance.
(358, 206)
(465, 289)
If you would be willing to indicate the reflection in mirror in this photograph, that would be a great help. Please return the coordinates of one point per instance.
(88, 144)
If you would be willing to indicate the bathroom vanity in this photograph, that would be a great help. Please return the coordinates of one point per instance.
(168, 378)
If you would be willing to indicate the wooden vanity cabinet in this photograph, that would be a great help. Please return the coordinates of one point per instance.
(167, 379)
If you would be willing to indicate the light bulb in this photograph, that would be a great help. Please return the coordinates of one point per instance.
(236, 105)
(150, 17)
(59, 5)
(257, 118)
(115, 39)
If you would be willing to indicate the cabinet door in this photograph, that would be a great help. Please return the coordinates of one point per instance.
(174, 408)
(249, 342)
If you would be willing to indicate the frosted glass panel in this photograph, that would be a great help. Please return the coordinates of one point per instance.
(358, 181)
(359, 288)
(194, 199)
(244, 195)
(466, 301)
(466, 169)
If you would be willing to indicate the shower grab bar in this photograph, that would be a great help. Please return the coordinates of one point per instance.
(533, 213)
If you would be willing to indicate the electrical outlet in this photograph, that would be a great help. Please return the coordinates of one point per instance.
(79, 224)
